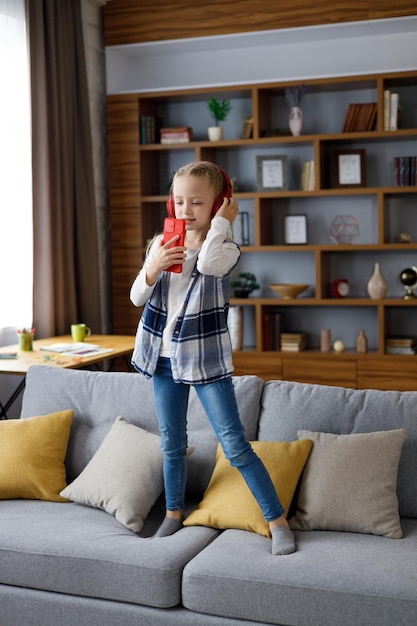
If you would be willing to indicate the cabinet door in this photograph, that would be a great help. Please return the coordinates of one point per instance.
(266, 366)
(391, 373)
(340, 372)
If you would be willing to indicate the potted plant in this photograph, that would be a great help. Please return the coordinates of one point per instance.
(219, 110)
(244, 284)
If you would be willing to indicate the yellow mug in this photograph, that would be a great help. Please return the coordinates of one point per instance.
(79, 332)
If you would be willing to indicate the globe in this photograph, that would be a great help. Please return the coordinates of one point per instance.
(408, 278)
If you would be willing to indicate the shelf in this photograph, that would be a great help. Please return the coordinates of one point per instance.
(342, 302)
(140, 177)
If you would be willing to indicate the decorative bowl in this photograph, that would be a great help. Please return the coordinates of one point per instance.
(288, 290)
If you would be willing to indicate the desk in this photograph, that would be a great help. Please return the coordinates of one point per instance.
(118, 345)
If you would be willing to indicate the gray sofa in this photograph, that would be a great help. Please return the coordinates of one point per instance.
(66, 563)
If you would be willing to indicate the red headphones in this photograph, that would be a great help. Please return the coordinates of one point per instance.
(226, 193)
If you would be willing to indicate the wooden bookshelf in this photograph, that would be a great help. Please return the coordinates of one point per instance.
(139, 182)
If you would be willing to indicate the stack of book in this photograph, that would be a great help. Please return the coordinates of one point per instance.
(360, 117)
(400, 344)
(293, 342)
(391, 110)
(177, 134)
(405, 171)
(307, 176)
(149, 129)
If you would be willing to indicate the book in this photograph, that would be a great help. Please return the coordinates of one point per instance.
(247, 128)
(387, 108)
(177, 134)
(293, 342)
(271, 330)
(360, 117)
(149, 129)
(169, 140)
(400, 340)
(400, 344)
(405, 171)
(394, 111)
(400, 350)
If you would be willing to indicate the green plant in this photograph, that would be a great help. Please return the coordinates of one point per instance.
(219, 109)
(294, 95)
(245, 281)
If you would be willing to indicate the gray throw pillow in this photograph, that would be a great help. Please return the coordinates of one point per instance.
(349, 483)
(124, 477)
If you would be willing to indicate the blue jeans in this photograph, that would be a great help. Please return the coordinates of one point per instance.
(219, 402)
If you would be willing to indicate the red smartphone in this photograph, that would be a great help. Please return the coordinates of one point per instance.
(172, 227)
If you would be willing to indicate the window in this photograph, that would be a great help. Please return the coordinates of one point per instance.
(16, 263)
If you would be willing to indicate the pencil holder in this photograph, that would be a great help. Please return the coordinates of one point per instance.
(26, 339)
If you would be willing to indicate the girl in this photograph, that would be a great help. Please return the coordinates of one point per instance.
(182, 340)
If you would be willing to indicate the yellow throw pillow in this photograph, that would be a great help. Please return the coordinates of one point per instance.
(228, 502)
(32, 454)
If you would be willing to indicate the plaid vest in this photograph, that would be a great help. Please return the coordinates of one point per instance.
(201, 350)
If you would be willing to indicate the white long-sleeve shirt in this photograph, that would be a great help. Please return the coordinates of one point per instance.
(216, 257)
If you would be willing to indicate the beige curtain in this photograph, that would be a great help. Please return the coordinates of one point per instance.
(66, 260)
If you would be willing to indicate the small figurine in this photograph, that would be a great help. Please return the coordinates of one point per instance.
(361, 342)
(339, 346)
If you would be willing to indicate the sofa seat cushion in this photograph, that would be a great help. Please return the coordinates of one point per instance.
(363, 579)
(288, 407)
(73, 549)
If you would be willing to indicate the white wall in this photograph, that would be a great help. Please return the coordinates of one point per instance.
(268, 56)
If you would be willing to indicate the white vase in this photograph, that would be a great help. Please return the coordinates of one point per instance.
(295, 121)
(235, 325)
(377, 285)
(215, 133)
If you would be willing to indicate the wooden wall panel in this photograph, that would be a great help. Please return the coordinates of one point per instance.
(125, 211)
(130, 21)
(384, 9)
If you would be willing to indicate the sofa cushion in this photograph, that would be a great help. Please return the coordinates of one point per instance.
(32, 454)
(99, 397)
(349, 483)
(333, 578)
(124, 477)
(83, 551)
(288, 407)
(228, 503)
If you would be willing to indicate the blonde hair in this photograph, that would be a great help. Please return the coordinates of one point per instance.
(205, 169)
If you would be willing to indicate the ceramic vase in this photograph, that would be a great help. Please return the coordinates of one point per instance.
(235, 325)
(295, 121)
(215, 133)
(325, 339)
(377, 285)
(361, 342)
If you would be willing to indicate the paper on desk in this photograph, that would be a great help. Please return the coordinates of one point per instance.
(76, 349)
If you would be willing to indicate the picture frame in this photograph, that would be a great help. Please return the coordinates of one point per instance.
(295, 229)
(272, 172)
(349, 168)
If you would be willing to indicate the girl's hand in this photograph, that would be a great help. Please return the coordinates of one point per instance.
(165, 257)
(229, 209)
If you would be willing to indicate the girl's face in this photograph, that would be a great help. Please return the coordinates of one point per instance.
(194, 197)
